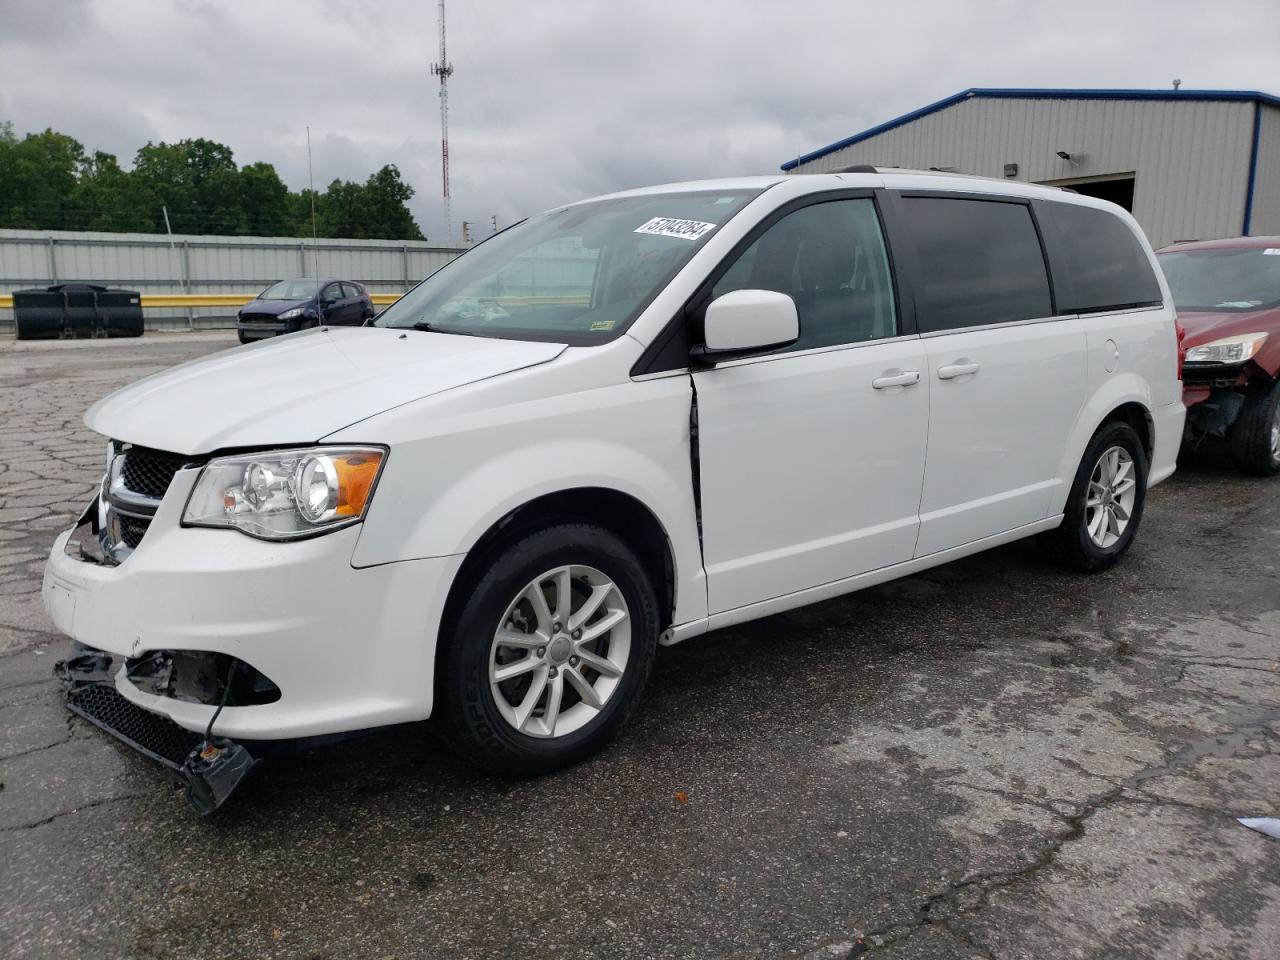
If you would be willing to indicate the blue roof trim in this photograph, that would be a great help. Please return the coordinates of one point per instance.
(1253, 170)
(1034, 93)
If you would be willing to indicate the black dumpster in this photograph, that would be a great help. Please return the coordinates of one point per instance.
(76, 310)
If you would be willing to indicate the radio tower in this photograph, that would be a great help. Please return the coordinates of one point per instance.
(444, 70)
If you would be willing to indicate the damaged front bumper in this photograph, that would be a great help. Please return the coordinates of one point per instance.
(208, 768)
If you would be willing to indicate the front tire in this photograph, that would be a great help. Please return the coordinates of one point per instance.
(1255, 436)
(550, 651)
(1105, 505)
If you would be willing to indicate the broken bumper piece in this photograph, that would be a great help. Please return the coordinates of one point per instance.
(208, 771)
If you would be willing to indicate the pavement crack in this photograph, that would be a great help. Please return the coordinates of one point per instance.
(972, 894)
(67, 813)
(27, 753)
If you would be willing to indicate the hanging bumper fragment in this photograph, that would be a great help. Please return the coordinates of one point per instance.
(209, 771)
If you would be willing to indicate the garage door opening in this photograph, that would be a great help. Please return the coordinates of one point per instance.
(1115, 188)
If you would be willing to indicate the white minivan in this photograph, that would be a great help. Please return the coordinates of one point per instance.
(619, 424)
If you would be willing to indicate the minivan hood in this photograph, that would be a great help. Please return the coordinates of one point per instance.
(300, 388)
(1205, 326)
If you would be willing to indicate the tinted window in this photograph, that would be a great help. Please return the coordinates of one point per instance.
(980, 263)
(1104, 264)
(350, 291)
(830, 259)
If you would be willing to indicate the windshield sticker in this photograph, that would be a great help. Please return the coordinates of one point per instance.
(668, 227)
(602, 325)
(1272, 252)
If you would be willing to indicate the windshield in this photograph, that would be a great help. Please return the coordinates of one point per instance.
(576, 275)
(291, 290)
(1239, 278)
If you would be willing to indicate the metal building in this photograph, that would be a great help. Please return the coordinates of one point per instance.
(1189, 164)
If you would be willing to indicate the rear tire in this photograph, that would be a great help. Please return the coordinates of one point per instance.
(1104, 507)
(542, 716)
(1255, 436)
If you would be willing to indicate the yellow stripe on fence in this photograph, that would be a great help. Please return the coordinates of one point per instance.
(192, 300)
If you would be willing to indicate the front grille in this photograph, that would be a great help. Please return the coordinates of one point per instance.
(157, 736)
(259, 318)
(132, 530)
(149, 472)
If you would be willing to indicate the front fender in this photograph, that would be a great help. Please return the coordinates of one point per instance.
(439, 494)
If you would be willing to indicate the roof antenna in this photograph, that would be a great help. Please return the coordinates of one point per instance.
(1177, 83)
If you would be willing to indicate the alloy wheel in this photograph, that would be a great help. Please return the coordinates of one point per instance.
(1113, 489)
(560, 651)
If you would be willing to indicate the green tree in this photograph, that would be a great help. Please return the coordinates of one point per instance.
(373, 210)
(106, 197)
(196, 181)
(264, 201)
(386, 197)
(47, 181)
(38, 179)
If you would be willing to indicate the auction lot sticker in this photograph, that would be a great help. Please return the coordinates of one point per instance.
(668, 227)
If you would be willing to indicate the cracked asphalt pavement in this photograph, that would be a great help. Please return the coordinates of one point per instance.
(993, 759)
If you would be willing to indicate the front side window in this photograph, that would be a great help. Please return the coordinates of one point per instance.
(1223, 279)
(577, 275)
(1105, 264)
(830, 259)
(980, 263)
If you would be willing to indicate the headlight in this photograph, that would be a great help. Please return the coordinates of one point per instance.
(286, 494)
(291, 314)
(1228, 350)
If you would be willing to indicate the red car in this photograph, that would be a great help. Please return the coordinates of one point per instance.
(1228, 297)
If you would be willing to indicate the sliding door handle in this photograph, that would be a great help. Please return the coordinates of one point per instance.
(901, 378)
(961, 368)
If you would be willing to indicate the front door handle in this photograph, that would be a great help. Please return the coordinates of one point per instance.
(901, 378)
(961, 368)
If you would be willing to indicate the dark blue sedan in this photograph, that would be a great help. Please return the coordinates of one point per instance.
(297, 304)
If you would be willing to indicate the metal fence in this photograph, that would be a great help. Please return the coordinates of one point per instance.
(158, 264)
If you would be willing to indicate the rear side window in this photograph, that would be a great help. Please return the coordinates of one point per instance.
(830, 259)
(980, 262)
(350, 291)
(1104, 265)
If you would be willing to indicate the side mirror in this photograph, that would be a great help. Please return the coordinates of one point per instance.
(745, 322)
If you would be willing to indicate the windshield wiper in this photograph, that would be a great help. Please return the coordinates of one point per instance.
(427, 327)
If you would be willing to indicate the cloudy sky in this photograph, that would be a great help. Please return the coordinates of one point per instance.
(553, 100)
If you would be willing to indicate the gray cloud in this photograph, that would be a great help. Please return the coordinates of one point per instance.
(560, 99)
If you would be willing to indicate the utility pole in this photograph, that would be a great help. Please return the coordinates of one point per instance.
(444, 70)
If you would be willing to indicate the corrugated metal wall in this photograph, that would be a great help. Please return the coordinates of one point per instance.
(201, 264)
(1190, 159)
(1266, 184)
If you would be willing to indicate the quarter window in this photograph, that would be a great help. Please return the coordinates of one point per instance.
(1105, 265)
(830, 259)
(980, 263)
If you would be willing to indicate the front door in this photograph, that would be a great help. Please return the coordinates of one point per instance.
(811, 458)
